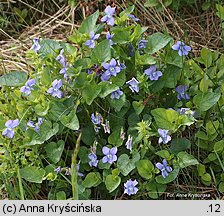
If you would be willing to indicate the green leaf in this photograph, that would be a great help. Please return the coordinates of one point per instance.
(115, 172)
(61, 195)
(138, 106)
(104, 166)
(212, 127)
(71, 120)
(92, 180)
(220, 11)
(77, 37)
(201, 169)
(49, 46)
(205, 101)
(156, 42)
(201, 135)
(154, 189)
(219, 146)
(69, 49)
(145, 59)
(205, 6)
(167, 3)
(120, 79)
(83, 154)
(171, 75)
(117, 104)
(203, 86)
(166, 119)
(41, 109)
(89, 24)
(198, 70)
(212, 157)
(179, 144)
(115, 138)
(221, 187)
(206, 177)
(172, 57)
(151, 3)
(164, 154)
(56, 110)
(127, 11)
(112, 182)
(80, 80)
(125, 164)
(102, 52)
(88, 134)
(13, 78)
(138, 31)
(47, 130)
(145, 168)
(121, 35)
(171, 177)
(54, 150)
(186, 159)
(90, 92)
(107, 88)
(84, 63)
(32, 174)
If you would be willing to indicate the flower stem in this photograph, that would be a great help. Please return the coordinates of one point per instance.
(20, 184)
(74, 170)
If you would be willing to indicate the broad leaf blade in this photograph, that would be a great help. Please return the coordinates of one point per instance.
(14, 78)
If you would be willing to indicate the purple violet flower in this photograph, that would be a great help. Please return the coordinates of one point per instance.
(142, 44)
(116, 94)
(28, 87)
(186, 111)
(31, 124)
(121, 65)
(36, 126)
(64, 72)
(181, 48)
(111, 69)
(164, 168)
(10, 125)
(133, 85)
(152, 73)
(108, 18)
(133, 17)
(61, 58)
(164, 137)
(181, 90)
(110, 154)
(130, 187)
(91, 43)
(96, 119)
(79, 173)
(54, 90)
(183, 111)
(36, 46)
(93, 160)
(58, 170)
(109, 38)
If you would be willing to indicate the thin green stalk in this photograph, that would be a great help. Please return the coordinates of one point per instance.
(74, 170)
(20, 184)
(220, 113)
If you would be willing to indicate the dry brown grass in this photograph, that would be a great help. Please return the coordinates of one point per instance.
(198, 31)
